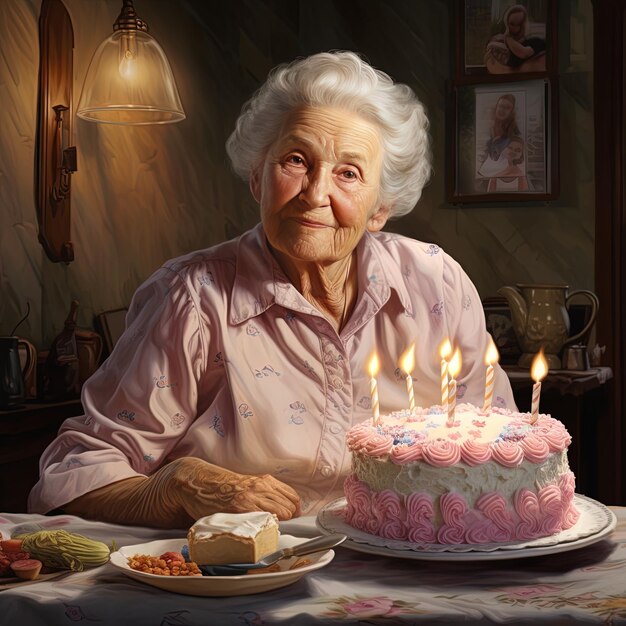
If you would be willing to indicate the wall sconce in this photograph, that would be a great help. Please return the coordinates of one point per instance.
(55, 159)
(129, 81)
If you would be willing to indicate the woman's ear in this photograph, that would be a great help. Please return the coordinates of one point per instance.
(255, 184)
(378, 219)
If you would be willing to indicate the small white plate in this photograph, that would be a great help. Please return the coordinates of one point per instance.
(596, 521)
(219, 585)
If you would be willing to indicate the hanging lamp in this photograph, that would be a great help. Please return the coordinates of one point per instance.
(129, 80)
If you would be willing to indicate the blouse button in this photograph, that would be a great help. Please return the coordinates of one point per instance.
(326, 471)
(335, 428)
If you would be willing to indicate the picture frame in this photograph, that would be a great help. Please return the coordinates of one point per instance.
(110, 325)
(497, 38)
(504, 141)
(498, 319)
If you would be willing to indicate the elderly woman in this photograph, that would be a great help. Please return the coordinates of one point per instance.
(243, 366)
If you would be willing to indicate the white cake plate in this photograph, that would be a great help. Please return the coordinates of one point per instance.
(595, 523)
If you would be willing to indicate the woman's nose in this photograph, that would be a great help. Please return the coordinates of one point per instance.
(316, 187)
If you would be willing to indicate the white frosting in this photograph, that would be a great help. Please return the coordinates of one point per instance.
(240, 524)
(434, 424)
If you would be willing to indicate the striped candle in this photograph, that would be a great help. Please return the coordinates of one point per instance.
(534, 408)
(373, 367)
(538, 371)
(454, 367)
(407, 363)
(444, 352)
(489, 388)
(451, 401)
(491, 357)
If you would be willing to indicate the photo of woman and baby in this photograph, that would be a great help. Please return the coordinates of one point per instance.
(501, 160)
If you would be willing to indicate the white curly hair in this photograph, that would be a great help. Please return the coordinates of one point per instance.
(343, 80)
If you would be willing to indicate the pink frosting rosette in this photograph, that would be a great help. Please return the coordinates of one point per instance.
(355, 435)
(404, 454)
(551, 505)
(527, 507)
(493, 507)
(441, 452)
(376, 445)
(419, 513)
(507, 453)
(567, 484)
(536, 450)
(479, 529)
(475, 453)
(453, 510)
(388, 508)
(358, 510)
(554, 433)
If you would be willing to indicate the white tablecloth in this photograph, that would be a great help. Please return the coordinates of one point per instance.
(583, 586)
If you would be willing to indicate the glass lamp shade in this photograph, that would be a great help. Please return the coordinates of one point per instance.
(129, 81)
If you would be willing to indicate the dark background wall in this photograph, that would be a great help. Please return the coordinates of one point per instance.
(145, 194)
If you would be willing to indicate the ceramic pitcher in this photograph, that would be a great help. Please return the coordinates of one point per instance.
(541, 319)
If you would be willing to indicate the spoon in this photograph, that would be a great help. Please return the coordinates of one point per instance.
(323, 542)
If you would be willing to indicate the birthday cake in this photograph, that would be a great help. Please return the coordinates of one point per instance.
(486, 477)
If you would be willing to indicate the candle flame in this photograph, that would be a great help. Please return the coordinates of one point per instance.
(492, 355)
(454, 365)
(407, 361)
(445, 349)
(539, 368)
(373, 366)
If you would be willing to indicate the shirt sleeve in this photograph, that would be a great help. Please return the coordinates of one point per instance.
(468, 331)
(137, 405)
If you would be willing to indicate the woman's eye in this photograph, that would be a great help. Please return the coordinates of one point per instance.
(349, 174)
(294, 159)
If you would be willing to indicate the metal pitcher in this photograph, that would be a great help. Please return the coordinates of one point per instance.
(11, 375)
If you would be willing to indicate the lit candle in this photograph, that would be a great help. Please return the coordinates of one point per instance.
(373, 370)
(445, 351)
(407, 363)
(491, 357)
(454, 367)
(538, 371)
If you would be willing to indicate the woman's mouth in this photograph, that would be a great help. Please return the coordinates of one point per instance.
(309, 223)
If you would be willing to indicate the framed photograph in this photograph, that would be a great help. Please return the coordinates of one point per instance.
(505, 37)
(503, 144)
(500, 327)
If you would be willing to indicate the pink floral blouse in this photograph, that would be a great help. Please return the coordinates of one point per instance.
(223, 359)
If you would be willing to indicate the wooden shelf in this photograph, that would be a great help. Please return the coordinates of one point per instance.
(25, 432)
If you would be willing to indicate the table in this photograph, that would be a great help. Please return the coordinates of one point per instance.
(581, 401)
(587, 585)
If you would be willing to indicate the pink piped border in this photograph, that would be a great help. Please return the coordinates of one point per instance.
(410, 518)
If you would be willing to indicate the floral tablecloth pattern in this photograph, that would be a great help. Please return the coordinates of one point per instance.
(586, 586)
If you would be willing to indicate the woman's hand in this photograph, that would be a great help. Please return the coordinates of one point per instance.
(183, 491)
(203, 488)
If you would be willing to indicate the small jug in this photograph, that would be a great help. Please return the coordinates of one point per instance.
(11, 373)
(576, 358)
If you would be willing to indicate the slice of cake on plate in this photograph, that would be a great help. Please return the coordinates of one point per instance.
(225, 538)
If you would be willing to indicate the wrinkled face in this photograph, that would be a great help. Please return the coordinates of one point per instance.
(504, 109)
(319, 185)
